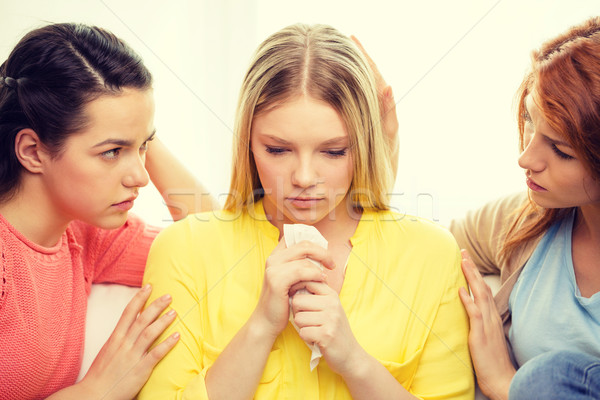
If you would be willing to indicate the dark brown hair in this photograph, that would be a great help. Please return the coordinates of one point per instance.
(49, 77)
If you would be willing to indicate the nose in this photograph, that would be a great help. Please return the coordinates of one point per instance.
(532, 157)
(136, 175)
(305, 174)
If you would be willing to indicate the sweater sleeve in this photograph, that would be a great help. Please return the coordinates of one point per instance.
(115, 255)
(482, 232)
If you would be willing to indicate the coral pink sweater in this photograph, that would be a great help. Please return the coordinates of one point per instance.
(43, 299)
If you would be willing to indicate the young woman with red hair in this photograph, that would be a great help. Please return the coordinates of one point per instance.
(538, 337)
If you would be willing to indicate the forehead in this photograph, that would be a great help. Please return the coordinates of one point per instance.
(300, 119)
(126, 115)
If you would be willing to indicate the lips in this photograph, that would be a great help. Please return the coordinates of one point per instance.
(304, 202)
(127, 204)
(534, 186)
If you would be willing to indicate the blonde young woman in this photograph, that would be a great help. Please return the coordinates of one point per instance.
(383, 311)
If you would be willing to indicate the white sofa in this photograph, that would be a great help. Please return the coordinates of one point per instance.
(106, 303)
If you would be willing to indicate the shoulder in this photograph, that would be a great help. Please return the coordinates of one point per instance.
(495, 216)
(420, 232)
(206, 225)
(133, 228)
(204, 235)
(413, 249)
(417, 246)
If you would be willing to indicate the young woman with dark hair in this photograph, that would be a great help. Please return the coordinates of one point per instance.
(76, 120)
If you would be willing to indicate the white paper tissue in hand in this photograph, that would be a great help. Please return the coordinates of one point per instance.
(296, 233)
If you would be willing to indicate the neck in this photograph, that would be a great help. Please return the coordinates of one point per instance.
(31, 213)
(587, 221)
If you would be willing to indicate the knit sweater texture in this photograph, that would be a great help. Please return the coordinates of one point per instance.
(43, 299)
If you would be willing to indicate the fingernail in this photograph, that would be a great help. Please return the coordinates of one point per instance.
(166, 297)
(388, 92)
(175, 336)
(147, 287)
(171, 313)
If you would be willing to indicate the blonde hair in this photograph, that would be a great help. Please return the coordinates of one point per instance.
(320, 62)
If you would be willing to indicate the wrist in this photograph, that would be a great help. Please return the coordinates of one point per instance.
(358, 365)
(81, 390)
(260, 328)
(498, 388)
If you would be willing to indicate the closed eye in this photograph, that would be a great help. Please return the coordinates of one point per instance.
(336, 153)
(275, 150)
(561, 154)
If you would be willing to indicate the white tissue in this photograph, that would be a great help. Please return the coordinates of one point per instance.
(292, 234)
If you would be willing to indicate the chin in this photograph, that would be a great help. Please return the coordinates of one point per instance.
(546, 202)
(112, 222)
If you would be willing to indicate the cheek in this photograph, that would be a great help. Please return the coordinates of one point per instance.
(267, 172)
(592, 188)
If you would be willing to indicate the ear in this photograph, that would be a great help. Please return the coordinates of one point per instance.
(30, 150)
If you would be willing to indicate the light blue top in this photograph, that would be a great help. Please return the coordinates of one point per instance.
(548, 311)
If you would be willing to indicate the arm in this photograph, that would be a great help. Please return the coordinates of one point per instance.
(182, 192)
(445, 370)
(322, 320)
(240, 366)
(125, 362)
(191, 370)
(389, 119)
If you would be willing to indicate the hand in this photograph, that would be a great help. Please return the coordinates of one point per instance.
(322, 320)
(387, 104)
(487, 343)
(286, 267)
(125, 362)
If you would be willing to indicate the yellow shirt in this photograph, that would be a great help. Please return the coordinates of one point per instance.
(400, 295)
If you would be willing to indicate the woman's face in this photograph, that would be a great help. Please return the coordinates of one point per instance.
(98, 173)
(555, 176)
(301, 150)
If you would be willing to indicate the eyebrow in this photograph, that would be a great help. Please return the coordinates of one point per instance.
(334, 141)
(558, 142)
(121, 142)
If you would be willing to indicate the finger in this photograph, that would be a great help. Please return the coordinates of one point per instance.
(378, 77)
(148, 316)
(308, 318)
(474, 313)
(311, 334)
(319, 288)
(156, 354)
(280, 280)
(479, 288)
(306, 249)
(389, 108)
(297, 287)
(306, 301)
(132, 310)
(151, 332)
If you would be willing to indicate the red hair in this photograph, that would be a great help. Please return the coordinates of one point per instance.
(565, 76)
